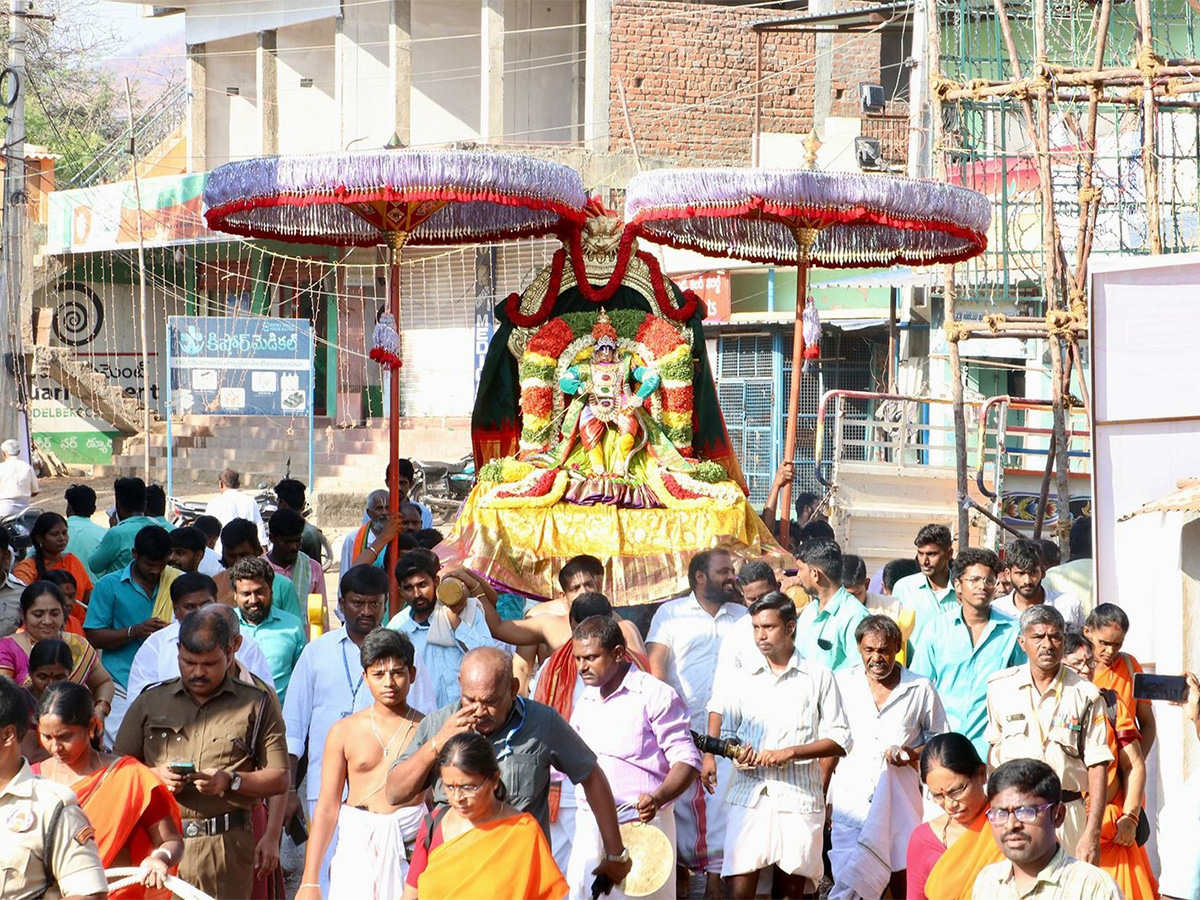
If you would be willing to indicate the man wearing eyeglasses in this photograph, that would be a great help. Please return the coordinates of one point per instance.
(1044, 710)
(1026, 808)
(960, 648)
(529, 738)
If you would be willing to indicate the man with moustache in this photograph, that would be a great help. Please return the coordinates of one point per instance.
(1026, 807)
(684, 645)
(279, 634)
(328, 683)
(1045, 710)
(892, 713)
(175, 722)
(786, 711)
(638, 728)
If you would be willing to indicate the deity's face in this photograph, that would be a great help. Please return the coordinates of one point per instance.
(606, 354)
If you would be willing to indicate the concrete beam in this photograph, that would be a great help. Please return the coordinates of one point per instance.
(400, 67)
(597, 76)
(491, 80)
(197, 114)
(266, 72)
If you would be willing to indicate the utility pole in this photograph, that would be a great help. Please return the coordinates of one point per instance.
(14, 407)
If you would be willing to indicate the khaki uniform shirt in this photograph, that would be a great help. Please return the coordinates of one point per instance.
(1064, 727)
(238, 729)
(26, 807)
(1064, 878)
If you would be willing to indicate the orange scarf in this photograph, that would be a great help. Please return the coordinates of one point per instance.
(556, 683)
(508, 859)
(117, 800)
(1129, 866)
(953, 876)
(1119, 679)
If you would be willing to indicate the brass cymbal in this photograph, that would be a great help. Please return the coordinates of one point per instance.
(652, 857)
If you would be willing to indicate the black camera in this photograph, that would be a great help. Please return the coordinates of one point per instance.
(730, 748)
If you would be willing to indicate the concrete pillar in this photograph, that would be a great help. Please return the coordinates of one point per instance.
(266, 72)
(340, 81)
(491, 80)
(197, 114)
(597, 78)
(400, 67)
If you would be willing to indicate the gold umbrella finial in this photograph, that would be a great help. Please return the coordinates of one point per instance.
(811, 145)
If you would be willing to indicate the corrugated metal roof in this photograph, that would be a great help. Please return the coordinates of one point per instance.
(1185, 499)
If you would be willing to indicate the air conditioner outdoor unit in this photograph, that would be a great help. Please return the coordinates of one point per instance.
(871, 97)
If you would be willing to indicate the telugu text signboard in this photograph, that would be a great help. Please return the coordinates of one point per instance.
(240, 365)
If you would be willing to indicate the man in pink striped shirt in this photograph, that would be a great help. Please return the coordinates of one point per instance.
(638, 727)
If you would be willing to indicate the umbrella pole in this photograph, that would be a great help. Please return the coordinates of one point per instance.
(805, 237)
(396, 241)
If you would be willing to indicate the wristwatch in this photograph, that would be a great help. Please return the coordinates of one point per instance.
(235, 782)
(622, 857)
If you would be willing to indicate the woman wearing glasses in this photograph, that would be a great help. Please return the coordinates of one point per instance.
(945, 854)
(478, 845)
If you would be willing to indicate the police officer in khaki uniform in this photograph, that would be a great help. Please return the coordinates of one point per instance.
(1043, 710)
(45, 839)
(219, 745)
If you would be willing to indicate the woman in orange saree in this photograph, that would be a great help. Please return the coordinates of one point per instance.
(480, 846)
(135, 817)
(945, 854)
(1120, 854)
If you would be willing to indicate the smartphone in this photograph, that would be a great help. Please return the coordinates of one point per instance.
(1173, 688)
(182, 768)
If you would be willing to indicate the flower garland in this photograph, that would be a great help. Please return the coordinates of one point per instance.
(541, 488)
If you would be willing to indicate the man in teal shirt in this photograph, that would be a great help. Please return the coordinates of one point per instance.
(961, 648)
(930, 592)
(825, 629)
(115, 550)
(83, 535)
(279, 634)
(120, 613)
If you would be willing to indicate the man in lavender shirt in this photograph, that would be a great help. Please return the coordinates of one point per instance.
(638, 727)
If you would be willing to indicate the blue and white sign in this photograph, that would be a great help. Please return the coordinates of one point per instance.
(240, 366)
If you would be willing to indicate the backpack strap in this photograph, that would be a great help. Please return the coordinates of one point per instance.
(432, 821)
(48, 851)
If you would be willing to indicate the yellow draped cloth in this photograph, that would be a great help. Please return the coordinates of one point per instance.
(953, 876)
(508, 859)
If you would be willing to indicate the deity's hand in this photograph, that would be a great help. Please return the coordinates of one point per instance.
(636, 401)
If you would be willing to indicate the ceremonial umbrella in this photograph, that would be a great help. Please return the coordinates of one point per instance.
(395, 198)
(804, 218)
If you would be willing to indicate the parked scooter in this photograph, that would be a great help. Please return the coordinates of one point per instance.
(19, 527)
(443, 486)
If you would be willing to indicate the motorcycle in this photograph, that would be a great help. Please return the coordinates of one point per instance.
(443, 486)
(19, 529)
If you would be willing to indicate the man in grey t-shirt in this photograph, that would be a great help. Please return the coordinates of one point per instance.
(528, 738)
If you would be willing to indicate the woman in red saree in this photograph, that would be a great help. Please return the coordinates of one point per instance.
(135, 817)
(479, 846)
(945, 854)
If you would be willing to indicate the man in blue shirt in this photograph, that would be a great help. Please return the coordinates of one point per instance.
(115, 549)
(120, 613)
(961, 648)
(83, 535)
(279, 633)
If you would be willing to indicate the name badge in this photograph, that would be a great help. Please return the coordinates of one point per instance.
(1016, 717)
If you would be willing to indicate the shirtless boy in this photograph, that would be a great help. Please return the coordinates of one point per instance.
(370, 860)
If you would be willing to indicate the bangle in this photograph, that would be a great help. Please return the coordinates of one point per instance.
(1127, 816)
(374, 553)
(129, 633)
(308, 884)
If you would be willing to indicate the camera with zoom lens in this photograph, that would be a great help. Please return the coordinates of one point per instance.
(729, 748)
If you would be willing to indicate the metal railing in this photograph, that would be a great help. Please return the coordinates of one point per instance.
(156, 123)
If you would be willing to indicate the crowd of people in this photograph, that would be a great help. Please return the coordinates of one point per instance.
(949, 726)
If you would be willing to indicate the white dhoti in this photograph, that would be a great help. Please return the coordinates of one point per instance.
(587, 850)
(562, 829)
(112, 722)
(773, 832)
(864, 853)
(370, 862)
(700, 822)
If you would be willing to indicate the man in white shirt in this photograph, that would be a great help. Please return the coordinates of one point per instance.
(441, 634)
(158, 657)
(1027, 571)
(18, 481)
(875, 792)
(231, 503)
(327, 683)
(684, 644)
(210, 526)
(787, 714)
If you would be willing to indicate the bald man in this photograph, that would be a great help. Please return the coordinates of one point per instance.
(528, 737)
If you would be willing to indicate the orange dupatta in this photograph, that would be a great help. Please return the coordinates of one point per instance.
(508, 859)
(953, 876)
(1129, 866)
(116, 799)
(26, 571)
(1119, 679)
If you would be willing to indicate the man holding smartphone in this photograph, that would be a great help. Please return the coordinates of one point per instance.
(219, 746)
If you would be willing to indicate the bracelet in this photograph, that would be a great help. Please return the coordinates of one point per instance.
(166, 854)
(129, 633)
(308, 884)
(374, 553)
(1127, 816)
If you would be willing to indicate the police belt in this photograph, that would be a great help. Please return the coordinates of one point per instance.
(1071, 796)
(194, 828)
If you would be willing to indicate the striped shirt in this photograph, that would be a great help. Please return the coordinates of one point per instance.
(801, 705)
(1064, 878)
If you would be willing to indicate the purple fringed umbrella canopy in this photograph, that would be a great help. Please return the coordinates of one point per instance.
(393, 197)
(806, 217)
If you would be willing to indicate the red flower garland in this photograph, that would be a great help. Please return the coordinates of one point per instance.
(678, 491)
(552, 338)
(540, 488)
(659, 283)
(512, 306)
